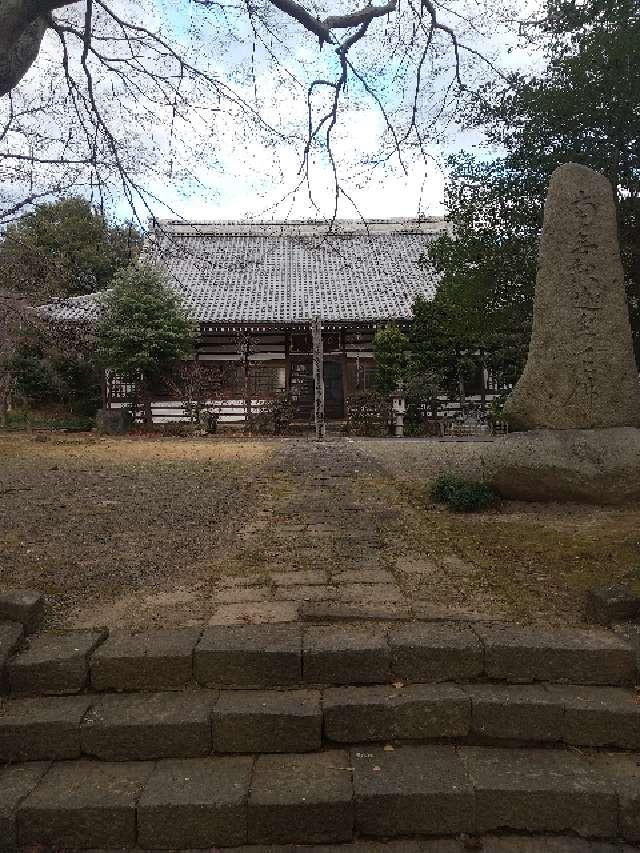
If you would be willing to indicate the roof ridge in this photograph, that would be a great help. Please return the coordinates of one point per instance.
(300, 227)
(381, 219)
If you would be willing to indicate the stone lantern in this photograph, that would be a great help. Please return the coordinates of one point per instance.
(398, 408)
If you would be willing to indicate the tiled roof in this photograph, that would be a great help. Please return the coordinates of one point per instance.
(225, 272)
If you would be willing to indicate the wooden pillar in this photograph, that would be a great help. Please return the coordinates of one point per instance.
(318, 377)
(287, 361)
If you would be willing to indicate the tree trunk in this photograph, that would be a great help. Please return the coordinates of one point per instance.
(23, 23)
(4, 409)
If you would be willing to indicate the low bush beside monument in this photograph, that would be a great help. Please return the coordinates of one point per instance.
(461, 494)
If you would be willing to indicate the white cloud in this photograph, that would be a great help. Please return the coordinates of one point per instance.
(226, 166)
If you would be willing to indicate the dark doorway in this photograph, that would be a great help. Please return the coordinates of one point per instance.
(333, 390)
(302, 390)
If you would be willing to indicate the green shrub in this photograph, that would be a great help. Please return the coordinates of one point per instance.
(462, 495)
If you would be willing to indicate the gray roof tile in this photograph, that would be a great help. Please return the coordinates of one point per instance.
(286, 272)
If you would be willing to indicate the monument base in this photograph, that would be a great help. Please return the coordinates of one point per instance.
(600, 466)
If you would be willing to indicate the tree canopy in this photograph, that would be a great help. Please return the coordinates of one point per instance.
(63, 248)
(391, 347)
(143, 331)
(584, 106)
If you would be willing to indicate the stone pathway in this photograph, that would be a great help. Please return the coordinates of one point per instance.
(329, 543)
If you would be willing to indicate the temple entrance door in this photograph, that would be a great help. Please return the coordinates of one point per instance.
(333, 390)
(301, 386)
(302, 391)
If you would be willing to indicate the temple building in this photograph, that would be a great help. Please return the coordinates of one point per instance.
(252, 289)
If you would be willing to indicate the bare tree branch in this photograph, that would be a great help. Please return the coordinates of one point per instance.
(129, 104)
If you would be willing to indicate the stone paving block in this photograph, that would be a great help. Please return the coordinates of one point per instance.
(345, 654)
(540, 790)
(433, 651)
(238, 595)
(622, 772)
(255, 613)
(432, 711)
(310, 577)
(83, 804)
(428, 612)
(24, 606)
(518, 712)
(42, 728)
(527, 844)
(16, 783)
(605, 605)
(199, 803)
(151, 660)
(301, 798)
(630, 633)
(599, 716)
(423, 790)
(405, 845)
(563, 655)
(363, 576)
(10, 636)
(360, 714)
(54, 663)
(315, 592)
(418, 564)
(240, 581)
(370, 593)
(338, 611)
(139, 726)
(249, 656)
(267, 721)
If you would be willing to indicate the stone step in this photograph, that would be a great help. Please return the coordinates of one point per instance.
(294, 654)
(201, 722)
(485, 843)
(24, 607)
(328, 797)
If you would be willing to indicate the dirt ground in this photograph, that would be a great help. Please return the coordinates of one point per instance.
(138, 532)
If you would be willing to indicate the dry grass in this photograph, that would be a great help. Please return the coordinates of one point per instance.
(108, 526)
(137, 531)
(524, 561)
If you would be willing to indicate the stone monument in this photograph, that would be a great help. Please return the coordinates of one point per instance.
(581, 371)
(579, 395)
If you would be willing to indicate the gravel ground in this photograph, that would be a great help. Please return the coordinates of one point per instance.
(138, 532)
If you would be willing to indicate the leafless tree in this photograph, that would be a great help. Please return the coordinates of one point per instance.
(121, 91)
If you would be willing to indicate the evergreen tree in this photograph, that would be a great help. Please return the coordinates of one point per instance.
(143, 332)
(65, 248)
(391, 347)
(584, 107)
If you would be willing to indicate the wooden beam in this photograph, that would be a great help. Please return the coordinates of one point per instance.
(318, 377)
